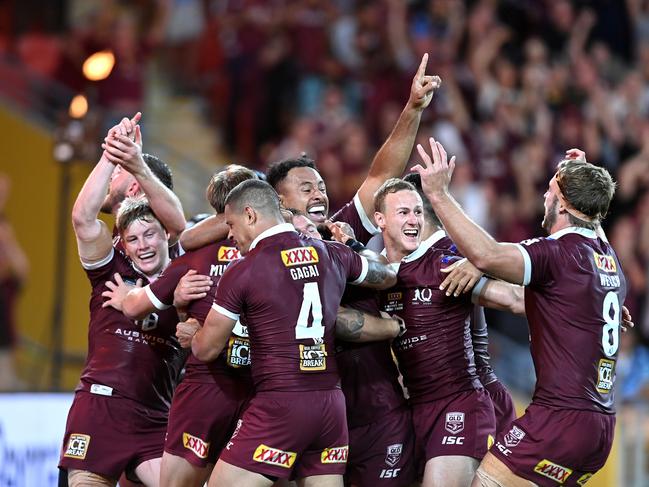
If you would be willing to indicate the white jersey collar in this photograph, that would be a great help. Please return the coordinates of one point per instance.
(424, 246)
(269, 232)
(578, 230)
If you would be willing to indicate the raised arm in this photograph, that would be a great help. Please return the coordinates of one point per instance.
(391, 159)
(501, 295)
(500, 260)
(210, 230)
(122, 150)
(208, 342)
(353, 325)
(94, 239)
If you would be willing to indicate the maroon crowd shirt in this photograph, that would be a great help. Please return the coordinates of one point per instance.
(289, 288)
(210, 260)
(140, 360)
(435, 354)
(574, 294)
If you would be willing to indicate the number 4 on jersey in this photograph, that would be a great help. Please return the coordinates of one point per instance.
(311, 306)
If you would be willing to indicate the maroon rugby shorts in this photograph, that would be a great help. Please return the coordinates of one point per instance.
(503, 404)
(291, 435)
(556, 446)
(461, 424)
(108, 435)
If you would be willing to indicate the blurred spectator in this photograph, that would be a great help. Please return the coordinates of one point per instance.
(13, 273)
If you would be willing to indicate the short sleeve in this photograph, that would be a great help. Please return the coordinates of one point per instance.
(354, 215)
(230, 291)
(101, 270)
(161, 291)
(540, 256)
(355, 266)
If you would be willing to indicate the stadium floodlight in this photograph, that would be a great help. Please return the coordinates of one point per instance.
(99, 65)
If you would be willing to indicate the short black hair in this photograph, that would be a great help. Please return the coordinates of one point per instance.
(160, 169)
(414, 178)
(257, 194)
(277, 172)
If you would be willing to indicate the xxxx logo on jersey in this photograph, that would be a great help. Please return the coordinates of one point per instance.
(605, 263)
(228, 254)
(334, 455)
(273, 456)
(196, 445)
(299, 256)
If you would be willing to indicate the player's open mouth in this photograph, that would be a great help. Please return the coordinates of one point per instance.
(317, 212)
(411, 232)
(146, 256)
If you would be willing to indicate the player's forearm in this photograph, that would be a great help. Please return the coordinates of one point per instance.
(164, 203)
(355, 326)
(91, 197)
(210, 230)
(205, 349)
(137, 305)
(503, 296)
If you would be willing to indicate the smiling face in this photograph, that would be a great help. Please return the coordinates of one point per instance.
(147, 244)
(401, 222)
(304, 190)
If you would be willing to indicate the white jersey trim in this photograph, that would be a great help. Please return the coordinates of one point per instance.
(424, 246)
(365, 220)
(527, 274)
(154, 299)
(225, 312)
(99, 263)
(274, 230)
(578, 230)
(364, 268)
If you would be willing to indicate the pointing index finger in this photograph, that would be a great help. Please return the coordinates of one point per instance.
(422, 66)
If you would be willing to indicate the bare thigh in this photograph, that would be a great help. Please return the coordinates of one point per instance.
(83, 478)
(494, 473)
(178, 472)
(450, 471)
(227, 475)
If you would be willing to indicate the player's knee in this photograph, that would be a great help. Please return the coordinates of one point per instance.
(483, 479)
(83, 478)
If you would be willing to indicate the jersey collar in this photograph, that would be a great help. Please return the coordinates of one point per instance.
(269, 232)
(578, 230)
(424, 246)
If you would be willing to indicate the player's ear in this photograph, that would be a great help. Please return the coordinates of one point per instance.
(134, 188)
(251, 215)
(379, 218)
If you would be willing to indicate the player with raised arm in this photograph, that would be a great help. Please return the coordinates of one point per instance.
(574, 291)
(452, 413)
(300, 186)
(295, 424)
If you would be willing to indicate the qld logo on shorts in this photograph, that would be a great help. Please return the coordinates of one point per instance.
(514, 436)
(299, 256)
(335, 455)
(228, 254)
(454, 422)
(558, 473)
(199, 447)
(273, 456)
(393, 454)
(77, 446)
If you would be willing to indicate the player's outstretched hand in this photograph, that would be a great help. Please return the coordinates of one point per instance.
(340, 231)
(462, 276)
(436, 170)
(117, 291)
(191, 286)
(423, 86)
(185, 331)
(627, 319)
(576, 154)
(120, 149)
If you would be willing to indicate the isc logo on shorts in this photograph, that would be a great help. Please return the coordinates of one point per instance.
(605, 376)
(228, 254)
(605, 263)
(334, 455)
(77, 446)
(196, 445)
(299, 256)
(553, 471)
(273, 456)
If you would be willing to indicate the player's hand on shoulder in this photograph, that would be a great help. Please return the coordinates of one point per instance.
(185, 331)
(340, 231)
(191, 286)
(117, 291)
(462, 276)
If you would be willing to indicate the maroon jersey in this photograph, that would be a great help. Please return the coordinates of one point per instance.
(435, 355)
(354, 214)
(140, 360)
(289, 287)
(209, 260)
(369, 376)
(574, 293)
(479, 333)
